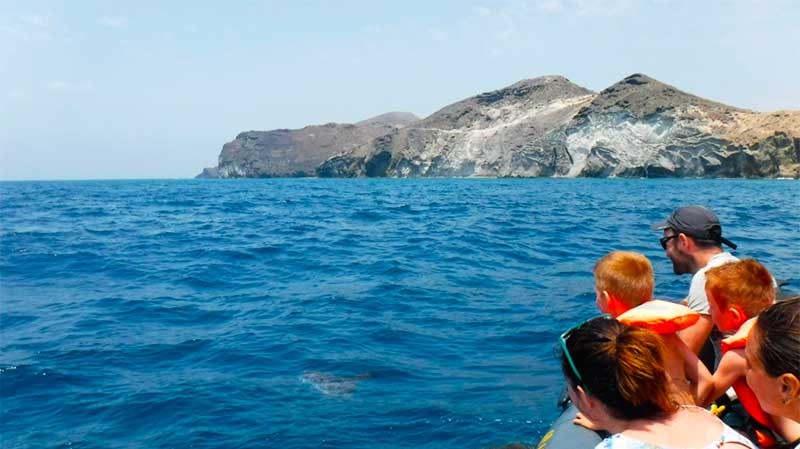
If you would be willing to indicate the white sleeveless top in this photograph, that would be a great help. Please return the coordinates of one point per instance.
(620, 441)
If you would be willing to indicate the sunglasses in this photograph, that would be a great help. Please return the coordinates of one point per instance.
(563, 341)
(666, 239)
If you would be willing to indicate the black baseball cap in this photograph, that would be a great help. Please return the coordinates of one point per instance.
(697, 222)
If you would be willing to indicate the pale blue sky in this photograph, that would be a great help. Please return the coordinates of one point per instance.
(153, 89)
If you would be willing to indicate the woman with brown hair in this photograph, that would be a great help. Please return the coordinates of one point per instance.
(773, 359)
(616, 377)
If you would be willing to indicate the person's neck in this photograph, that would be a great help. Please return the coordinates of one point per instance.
(616, 425)
(642, 425)
(795, 416)
(703, 256)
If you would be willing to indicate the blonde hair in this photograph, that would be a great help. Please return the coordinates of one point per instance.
(625, 275)
(745, 284)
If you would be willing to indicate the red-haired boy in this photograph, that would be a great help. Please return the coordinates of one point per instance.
(625, 280)
(737, 292)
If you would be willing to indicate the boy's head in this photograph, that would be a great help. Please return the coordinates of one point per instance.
(623, 280)
(738, 291)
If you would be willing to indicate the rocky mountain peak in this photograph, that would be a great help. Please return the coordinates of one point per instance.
(484, 109)
(538, 90)
(398, 119)
(641, 96)
(638, 79)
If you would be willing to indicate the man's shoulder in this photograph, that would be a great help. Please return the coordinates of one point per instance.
(721, 259)
(697, 299)
(715, 261)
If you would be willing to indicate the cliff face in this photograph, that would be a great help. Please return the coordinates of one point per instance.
(641, 127)
(546, 126)
(516, 131)
(297, 153)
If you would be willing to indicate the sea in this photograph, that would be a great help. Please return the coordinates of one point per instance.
(323, 313)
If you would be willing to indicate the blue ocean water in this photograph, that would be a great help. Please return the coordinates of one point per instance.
(302, 313)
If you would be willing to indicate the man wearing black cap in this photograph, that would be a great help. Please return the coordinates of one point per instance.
(693, 242)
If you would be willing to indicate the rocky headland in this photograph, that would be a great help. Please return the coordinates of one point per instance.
(542, 127)
(298, 152)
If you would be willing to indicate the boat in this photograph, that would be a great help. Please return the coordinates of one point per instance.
(563, 434)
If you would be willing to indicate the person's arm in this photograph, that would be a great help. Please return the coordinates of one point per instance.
(732, 366)
(696, 372)
(695, 337)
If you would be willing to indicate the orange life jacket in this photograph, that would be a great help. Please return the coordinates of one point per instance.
(662, 317)
(746, 396)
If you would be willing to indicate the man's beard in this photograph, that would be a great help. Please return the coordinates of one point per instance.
(681, 265)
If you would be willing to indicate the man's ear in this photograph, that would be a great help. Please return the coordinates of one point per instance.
(684, 240)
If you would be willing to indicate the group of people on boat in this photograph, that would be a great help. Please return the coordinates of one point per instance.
(636, 374)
